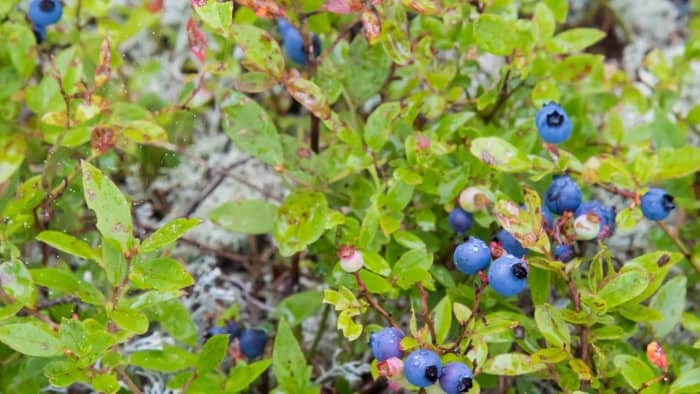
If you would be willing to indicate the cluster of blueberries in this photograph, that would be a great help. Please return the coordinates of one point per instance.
(251, 341)
(293, 42)
(422, 367)
(43, 13)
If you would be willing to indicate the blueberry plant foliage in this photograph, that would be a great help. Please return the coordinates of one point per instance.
(401, 129)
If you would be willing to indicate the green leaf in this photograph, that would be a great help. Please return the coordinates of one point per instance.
(408, 240)
(298, 307)
(142, 131)
(550, 355)
(639, 313)
(65, 282)
(13, 148)
(261, 51)
(109, 204)
(499, 154)
(16, 281)
(106, 382)
(367, 67)
(31, 339)
(380, 124)
(670, 301)
(574, 40)
(678, 162)
(242, 376)
(23, 53)
(113, 260)
(395, 42)
(376, 263)
(560, 8)
(245, 216)
(545, 91)
(624, 287)
(170, 359)
(131, 320)
(288, 362)
(544, 19)
(212, 354)
(462, 312)
(443, 319)
(539, 284)
(176, 320)
(301, 220)
(216, 15)
(251, 128)
(64, 373)
(687, 382)
(552, 326)
(495, 34)
(160, 274)
(511, 364)
(310, 96)
(635, 371)
(412, 267)
(68, 244)
(168, 234)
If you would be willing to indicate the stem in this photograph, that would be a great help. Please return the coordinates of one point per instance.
(372, 302)
(426, 312)
(680, 245)
(620, 192)
(315, 126)
(475, 310)
(319, 333)
(130, 383)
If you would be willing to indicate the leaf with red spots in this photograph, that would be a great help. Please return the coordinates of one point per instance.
(342, 6)
(261, 51)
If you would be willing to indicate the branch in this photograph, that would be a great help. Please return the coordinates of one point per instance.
(426, 312)
(475, 308)
(680, 245)
(130, 383)
(372, 302)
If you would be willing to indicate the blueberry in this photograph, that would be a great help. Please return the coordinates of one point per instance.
(553, 123)
(460, 220)
(564, 253)
(606, 216)
(563, 194)
(233, 328)
(422, 368)
(509, 243)
(252, 343)
(293, 42)
(45, 12)
(657, 204)
(456, 378)
(508, 275)
(472, 256)
(386, 343)
(216, 331)
(39, 33)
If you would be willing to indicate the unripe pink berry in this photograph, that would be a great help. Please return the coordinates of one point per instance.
(473, 199)
(587, 227)
(350, 259)
(390, 367)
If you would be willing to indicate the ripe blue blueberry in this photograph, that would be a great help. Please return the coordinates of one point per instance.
(508, 242)
(657, 204)
(422, 368)
(508, 275)
(460, 220)
(45, 12)
(563, 194)
(564, 253)
(252, 343)
(553, 123)
(386, 343)
(293, 42)
(39, 33)
(472, 256)
(456, 378)
(606, 216)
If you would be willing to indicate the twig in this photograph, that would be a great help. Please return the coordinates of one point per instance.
(337, 40)
(127, 379)
(373, 303)
(319, 333)
(475, 310)
(680, 245)
(57, 301)
(652, 381)
(502, 98)
(426, 312)
(187, 384)
(314, 137)
(619, 191)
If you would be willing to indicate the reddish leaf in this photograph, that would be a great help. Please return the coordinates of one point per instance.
(264, 8)
(154, 6)
(103, 139)
(310, 96)
(371, 26)
(104, 65)
(197, 40)
(342, 6)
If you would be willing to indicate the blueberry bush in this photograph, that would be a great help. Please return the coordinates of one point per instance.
(462, 186)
